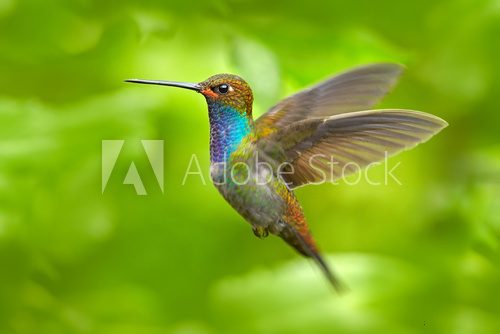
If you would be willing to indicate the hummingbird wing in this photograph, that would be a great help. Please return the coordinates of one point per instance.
(357, 89)
(325, 149)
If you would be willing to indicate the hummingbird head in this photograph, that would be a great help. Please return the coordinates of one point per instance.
(221, 89)
(229, 100)
(228, 90)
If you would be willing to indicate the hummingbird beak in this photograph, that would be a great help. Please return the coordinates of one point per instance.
(186, 85)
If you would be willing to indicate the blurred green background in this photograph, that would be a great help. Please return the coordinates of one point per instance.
(418, 257)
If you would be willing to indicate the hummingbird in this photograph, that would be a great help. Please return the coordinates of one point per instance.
(319, 134)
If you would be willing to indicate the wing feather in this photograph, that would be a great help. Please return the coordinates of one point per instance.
(339, 145)
(357, 89)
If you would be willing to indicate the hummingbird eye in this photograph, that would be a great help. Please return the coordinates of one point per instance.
(223, 89)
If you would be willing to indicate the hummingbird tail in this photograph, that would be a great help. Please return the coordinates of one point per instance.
(293, 237)
(332, 278)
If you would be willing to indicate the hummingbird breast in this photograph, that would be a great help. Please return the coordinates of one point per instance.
(250, 186)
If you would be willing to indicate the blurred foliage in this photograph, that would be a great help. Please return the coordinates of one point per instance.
(418, 257)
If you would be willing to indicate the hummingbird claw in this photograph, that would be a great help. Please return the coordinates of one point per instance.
(260, 232)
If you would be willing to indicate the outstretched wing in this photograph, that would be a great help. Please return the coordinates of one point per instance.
(357, 89)
(330, 148)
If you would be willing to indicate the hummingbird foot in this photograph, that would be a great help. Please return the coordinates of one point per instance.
(260, 232)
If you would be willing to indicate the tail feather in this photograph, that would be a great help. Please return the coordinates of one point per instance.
(306, 246)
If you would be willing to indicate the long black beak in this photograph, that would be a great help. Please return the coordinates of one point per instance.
(187, 85)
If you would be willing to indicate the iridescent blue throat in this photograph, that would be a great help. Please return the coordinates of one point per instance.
(228, 127)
